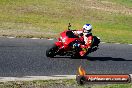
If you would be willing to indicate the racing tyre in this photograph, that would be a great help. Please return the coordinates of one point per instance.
(76, 56)
(50, 52)
(95, 44)
(96, 41)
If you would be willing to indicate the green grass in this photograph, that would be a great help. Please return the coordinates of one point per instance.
(58, 84)
(47, 18)
(123, 2)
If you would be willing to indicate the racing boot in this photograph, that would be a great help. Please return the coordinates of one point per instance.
(83, 52)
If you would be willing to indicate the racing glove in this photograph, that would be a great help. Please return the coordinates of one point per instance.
(76, 45)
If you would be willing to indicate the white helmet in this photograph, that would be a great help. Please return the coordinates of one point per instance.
(87, 28)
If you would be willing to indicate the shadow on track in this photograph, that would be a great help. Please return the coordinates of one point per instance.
(96, 58)
(105, 59)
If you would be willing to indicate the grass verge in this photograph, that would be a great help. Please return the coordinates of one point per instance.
(58, 84)
(111, 19)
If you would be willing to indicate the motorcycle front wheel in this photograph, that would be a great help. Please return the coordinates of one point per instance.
(50, 52)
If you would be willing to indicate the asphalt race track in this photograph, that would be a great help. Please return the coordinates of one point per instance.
(26, 57)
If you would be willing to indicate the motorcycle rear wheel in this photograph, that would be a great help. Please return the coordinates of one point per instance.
(96, 41)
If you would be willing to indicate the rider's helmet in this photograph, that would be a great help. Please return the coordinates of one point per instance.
(87, 28)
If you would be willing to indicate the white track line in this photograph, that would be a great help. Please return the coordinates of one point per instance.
(50, 39)
(103, 42)
(31, 78)
(10, 37)
(34, 38)
(116, 43)
(53, 39)
(129, 44)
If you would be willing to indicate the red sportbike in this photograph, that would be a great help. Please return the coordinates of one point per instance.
(65, 45)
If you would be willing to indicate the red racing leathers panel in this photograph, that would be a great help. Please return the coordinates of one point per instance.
(87, 39)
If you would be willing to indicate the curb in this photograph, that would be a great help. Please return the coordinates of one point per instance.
(54, 39)
(101, 42)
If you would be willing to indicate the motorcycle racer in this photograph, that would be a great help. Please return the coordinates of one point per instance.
(87, 38)
(74, 43)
